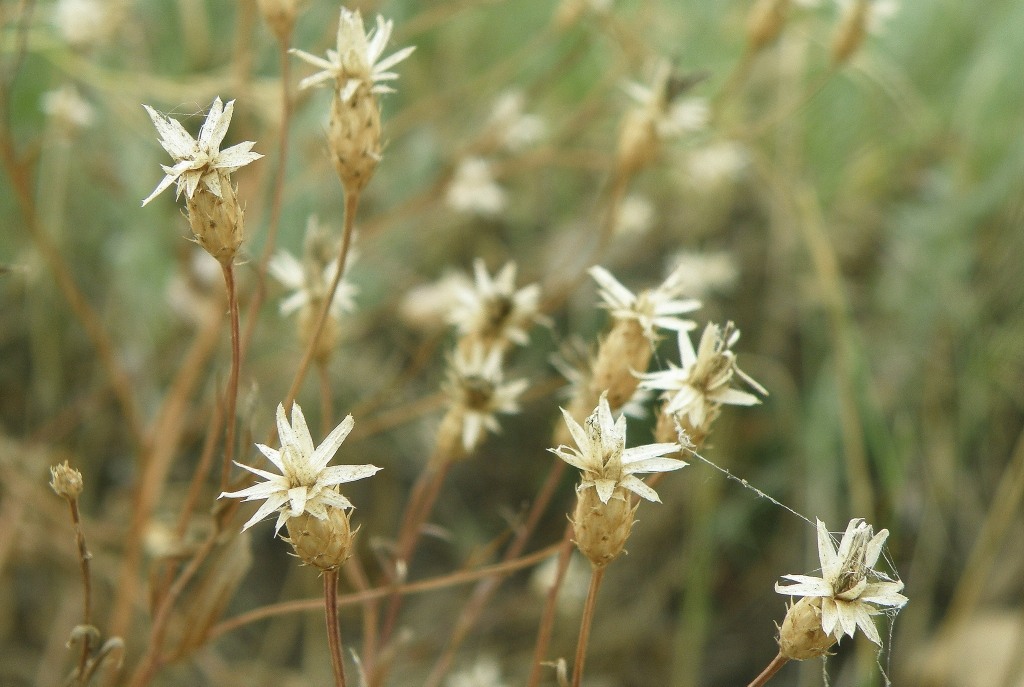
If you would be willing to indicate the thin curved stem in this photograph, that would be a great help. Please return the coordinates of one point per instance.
(585, 625)
(486, 588)
(236, 362)
(333, 631)
(276, 202)
(547, 621)
(351, 206)
(443, 582)
(770, 671)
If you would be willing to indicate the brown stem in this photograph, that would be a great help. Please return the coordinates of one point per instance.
(351, 206)
(169, 426)
(585, 624)
(276, 203)
(232, 393)
(151, 660)
(356, 574)
(83, 560)
(333, 631)
(768, 672)
(547, 620)
(443, 582)
(485, 589)
(326, 402)
(421, 503)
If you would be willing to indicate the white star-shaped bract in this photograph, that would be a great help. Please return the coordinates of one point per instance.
(601, 455)
(659, 307)
(200, 161)
(701, 384)
(354, 61)
(493, 309)
(850, 589)
(307, 484)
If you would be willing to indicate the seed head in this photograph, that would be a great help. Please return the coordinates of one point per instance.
(66, 481)
(850, 590)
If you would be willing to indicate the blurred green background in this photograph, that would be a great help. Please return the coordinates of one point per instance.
(871, 215)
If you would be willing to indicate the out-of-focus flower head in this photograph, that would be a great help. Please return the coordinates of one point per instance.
(701, 384)
(356, 60)
(474, 190)
(493, 311)
(659, 307)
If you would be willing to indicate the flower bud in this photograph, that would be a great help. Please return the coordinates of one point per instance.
(324, 544)
(624, 351)
(66, 481)
(851, 32)
(280, 16)
(801, 636)
(330, 334)
(765, 22)
(217, 221)
(638, 142)
(601, 529)
(353, 136)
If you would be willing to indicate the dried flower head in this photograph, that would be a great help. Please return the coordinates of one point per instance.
(493, 311)
(280, 16)
(85, 23)
(428, 306)
(659, 307)
(485, 672)
(601, 455)
(68, 108)
(858, 18)
(477, 391)
(660, 114)
(200, 161)
(850, 589)
(306, 483)
(635, 216)
(66, 481)
(704, 273)
(701, 385)
(310, 278)
(354, 61)
(514, 128)
(474, 190)
(765, 22)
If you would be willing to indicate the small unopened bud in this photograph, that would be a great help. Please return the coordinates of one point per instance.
(324, 544)
(601, 529)
(353, 136)
(765, 23)
(66, 481)
(280, 16)
(639, 142)
(327, 342)
(801, 636)
(217, 221)
(622, 353)
(851, 31)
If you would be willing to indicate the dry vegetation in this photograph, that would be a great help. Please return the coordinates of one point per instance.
(840, 182)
